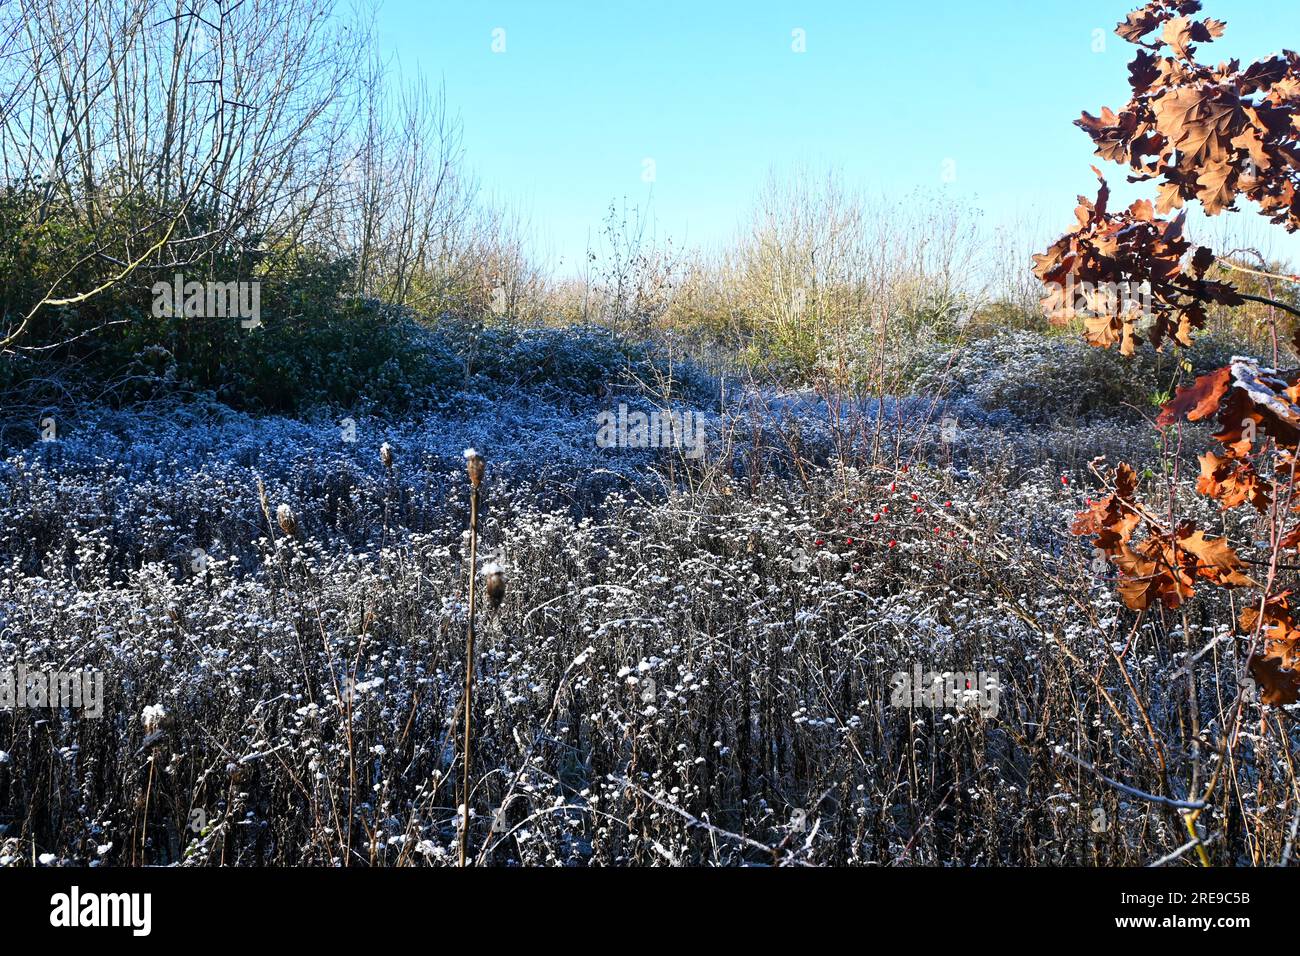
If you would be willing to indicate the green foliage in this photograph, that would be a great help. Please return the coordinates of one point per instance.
(355, 352)
(318, 344)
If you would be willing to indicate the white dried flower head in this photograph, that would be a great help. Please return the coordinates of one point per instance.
(152, 717)
(386, 454)
(288, 523)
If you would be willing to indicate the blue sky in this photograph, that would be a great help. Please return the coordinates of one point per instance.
(893, 94)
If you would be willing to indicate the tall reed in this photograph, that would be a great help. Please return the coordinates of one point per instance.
(474, 466)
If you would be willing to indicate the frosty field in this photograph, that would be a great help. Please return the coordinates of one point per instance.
(695, 661)
(522, 442)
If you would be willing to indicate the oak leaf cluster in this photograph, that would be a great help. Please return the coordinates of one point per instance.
(1213, 134)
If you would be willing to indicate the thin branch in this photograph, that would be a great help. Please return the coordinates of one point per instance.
(1190, 844)
(1283, 277)
(694, 820)
(1133, 791)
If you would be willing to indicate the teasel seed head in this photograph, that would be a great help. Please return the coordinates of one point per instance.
(288, 523)
(154, 718)
(496, 584)
(475, 467)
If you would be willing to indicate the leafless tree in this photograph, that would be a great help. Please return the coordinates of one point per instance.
(172, 132)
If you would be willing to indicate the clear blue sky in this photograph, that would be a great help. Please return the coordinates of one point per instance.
(561, 122)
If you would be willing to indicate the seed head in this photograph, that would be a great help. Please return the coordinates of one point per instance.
(154, 717)
(474, 466)
(496, 584)
(386, 455)
(288, 523)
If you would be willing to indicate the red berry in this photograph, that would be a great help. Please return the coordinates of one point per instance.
(892, 542)
(915, 496)
(947, 504)
(820, 542)
(849, 541)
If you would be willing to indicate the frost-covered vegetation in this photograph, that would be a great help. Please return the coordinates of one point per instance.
(693, 662)
(256, 528)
